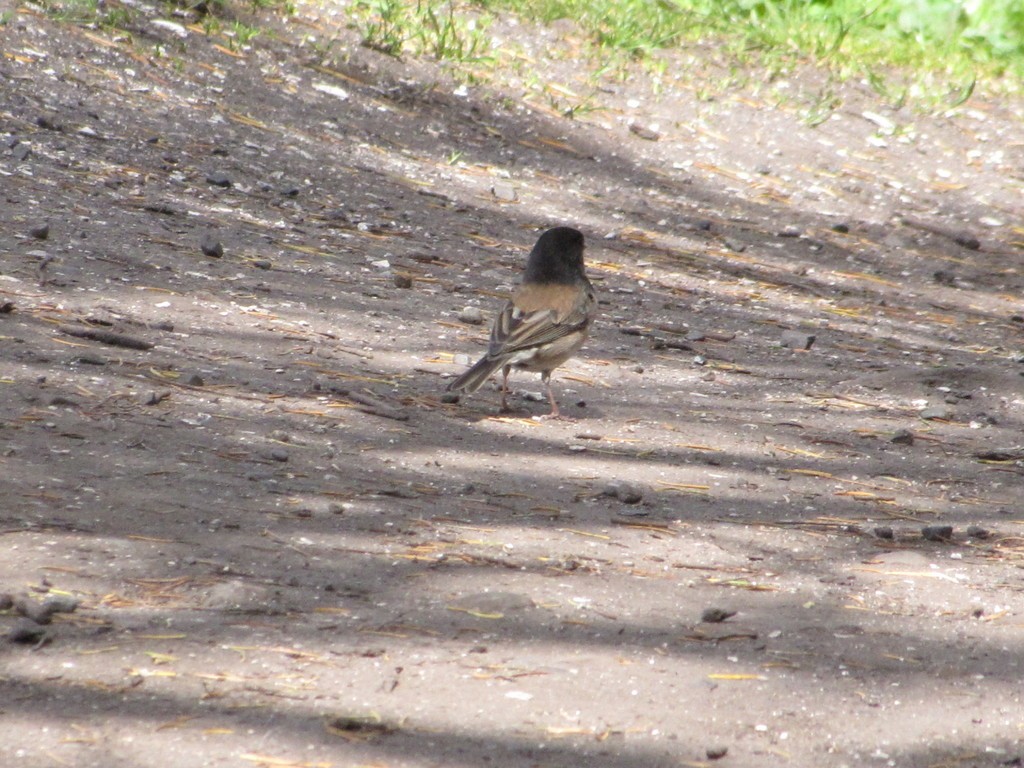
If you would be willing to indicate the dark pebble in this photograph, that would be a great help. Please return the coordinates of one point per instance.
(716, 615)
(279, 454)
(402, 281)
(61, 604)
(31, 609)
(6, 601)
(195, 380)
(219, 179)
(263, 264)
(21, 152)
(883, 532)
(627, 494)
(6, 307)
(89, 359)
(977, 532)
(967, 240)
(450, 397)
(40, 231)
(290, 192)
(49, 122)
(842, 228)
(26, 633)
(937, 532)
(211, 246)
(624, 492)
(902, 437)
(716, 753)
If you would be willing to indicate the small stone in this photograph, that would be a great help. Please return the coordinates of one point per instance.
(937, 412)
(716, 752)
(841, 227)
(471, 316)
(734, 245)
(977, 532)
(6, 601)
(402, 280)
(700, 225)
(211, 246)
(91, 359)
(883, 532)
(450, 397)
(789, 232)
(49, 121)
(61, 604)
(902, 437)
(26, 633)
(937, 532)
(263, 264)
(798, 340)
(40, 231)
(694, 335)
(716, 615)
(31, 609)
(219, 179)
(170, 26)
(21, 152)
(648, 134)
(279, 454)
(504, 192)
(967, 240)
(195, 380)
(624, 492)
(629, 494)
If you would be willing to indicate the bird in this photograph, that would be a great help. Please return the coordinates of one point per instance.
(545, 322)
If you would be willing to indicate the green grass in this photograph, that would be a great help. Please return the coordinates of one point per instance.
(429, 27)
(931, 33)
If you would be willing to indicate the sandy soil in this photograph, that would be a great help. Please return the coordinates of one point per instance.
(240, 528)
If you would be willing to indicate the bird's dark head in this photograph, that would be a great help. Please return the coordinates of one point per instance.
(557, 257)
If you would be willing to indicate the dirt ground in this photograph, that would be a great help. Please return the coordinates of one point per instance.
(250, 533)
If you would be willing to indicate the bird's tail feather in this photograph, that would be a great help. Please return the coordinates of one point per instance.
(473, 379)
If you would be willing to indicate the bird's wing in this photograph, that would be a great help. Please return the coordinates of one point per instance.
(515, 330)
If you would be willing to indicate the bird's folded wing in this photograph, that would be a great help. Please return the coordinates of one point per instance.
(512, 333)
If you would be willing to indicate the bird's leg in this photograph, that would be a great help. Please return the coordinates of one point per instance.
(546, 378)
(504, 387)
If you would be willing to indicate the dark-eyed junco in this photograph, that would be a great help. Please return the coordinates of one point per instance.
(545, 322)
